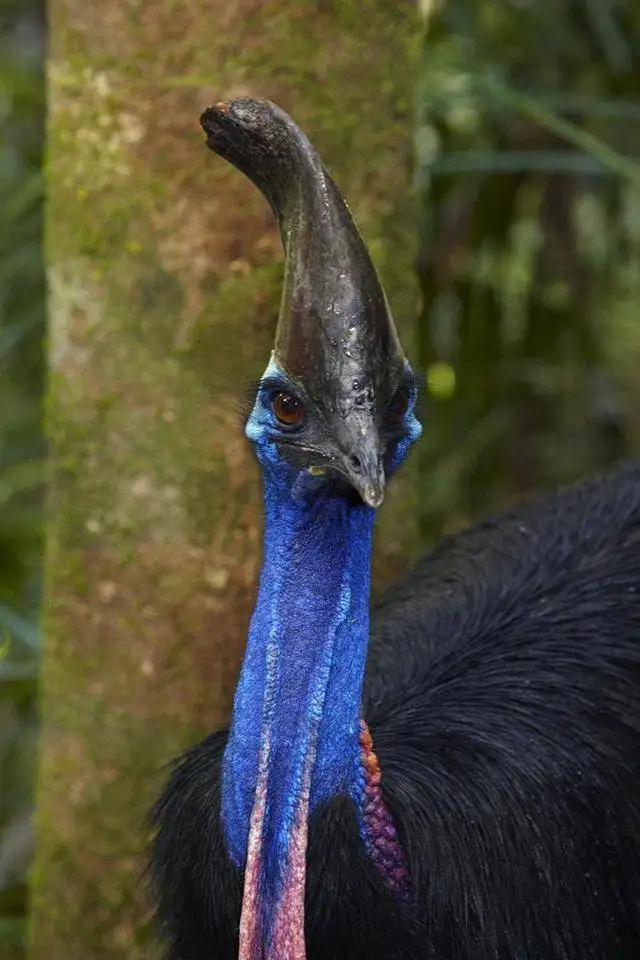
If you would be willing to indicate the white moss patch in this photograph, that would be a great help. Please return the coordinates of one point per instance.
(92, 132)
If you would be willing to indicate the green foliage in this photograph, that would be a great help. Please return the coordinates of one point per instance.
(22, 311)
(527, 147)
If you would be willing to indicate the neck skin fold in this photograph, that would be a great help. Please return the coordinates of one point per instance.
(294, 739)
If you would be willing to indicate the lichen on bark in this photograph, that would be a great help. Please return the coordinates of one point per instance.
(165, 271)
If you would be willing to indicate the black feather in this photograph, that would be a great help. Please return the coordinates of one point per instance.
(503, 695)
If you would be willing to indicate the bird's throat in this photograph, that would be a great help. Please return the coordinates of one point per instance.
(294, 740)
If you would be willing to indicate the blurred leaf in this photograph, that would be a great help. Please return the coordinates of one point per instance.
(578, 136)
(18, 627)
(16, 845)
(12, 932)
(18, 671)
(528, 149)
(517, 161)
(22, 320)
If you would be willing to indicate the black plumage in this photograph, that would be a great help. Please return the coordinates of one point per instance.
(503, 696)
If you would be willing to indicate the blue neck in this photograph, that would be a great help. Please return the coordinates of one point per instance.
(301, 682)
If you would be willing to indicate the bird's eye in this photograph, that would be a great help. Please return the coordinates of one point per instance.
(399, 405)
(287, 409)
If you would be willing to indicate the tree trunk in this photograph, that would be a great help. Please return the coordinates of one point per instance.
(165, 271)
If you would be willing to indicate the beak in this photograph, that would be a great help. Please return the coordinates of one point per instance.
(362, 464)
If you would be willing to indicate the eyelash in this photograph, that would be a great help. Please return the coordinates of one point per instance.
(246, 402)
(265, 388)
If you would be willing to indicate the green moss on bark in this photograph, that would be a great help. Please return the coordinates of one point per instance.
(165, 281)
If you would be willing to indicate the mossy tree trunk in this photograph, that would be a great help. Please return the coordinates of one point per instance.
(164, 286)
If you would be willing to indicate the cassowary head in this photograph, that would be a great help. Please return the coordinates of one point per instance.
(337, 398)
(332, 419)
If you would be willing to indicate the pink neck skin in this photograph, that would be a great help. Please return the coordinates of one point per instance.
(381, 840)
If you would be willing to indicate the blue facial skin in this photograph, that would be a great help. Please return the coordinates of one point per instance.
(301, 679)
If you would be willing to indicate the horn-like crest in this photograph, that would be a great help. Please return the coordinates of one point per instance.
(335, 333)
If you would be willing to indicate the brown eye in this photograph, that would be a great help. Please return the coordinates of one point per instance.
(287, 409)
(399, 405)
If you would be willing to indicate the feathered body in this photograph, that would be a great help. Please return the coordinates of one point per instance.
(502, 691)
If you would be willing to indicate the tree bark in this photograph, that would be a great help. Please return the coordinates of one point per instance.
(165, 271)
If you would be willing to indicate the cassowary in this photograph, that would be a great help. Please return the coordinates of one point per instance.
(458, 779)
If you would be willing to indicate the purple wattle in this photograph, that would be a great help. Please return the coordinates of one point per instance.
(377, 826)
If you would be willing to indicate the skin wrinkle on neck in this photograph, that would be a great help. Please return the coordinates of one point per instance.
(303, 670)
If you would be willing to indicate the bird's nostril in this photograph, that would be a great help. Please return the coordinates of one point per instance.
(355, 462)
